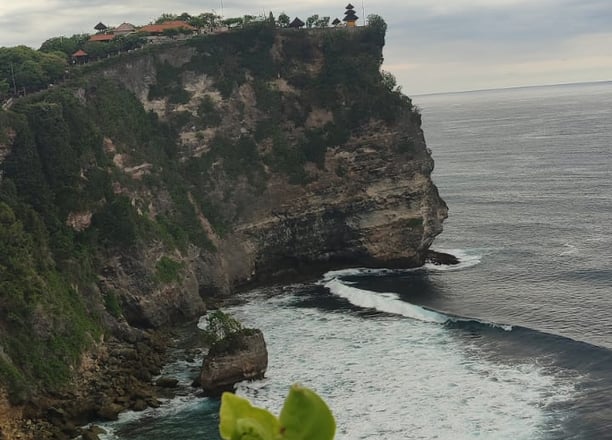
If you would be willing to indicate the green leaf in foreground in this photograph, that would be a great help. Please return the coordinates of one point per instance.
(242, 421)
(305, 416)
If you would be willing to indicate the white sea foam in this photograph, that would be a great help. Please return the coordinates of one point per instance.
(390, 302)
(358, 271)
(383, 302)
(392, 378)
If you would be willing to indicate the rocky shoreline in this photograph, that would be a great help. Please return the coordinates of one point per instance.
(120, 374)
(116, 376)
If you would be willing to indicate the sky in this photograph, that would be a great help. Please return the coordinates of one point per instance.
(433, 46)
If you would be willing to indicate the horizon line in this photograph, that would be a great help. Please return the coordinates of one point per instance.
(492, 89)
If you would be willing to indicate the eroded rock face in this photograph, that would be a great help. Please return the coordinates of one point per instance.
(370, 203)
(246, 359)
(382, 210)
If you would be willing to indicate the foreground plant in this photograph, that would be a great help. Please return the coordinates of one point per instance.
(304, 416)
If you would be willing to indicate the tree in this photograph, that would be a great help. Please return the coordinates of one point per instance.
(95, 49)
(283, 20)
(376, 22)
(53, 64)
(166, 17)
(220, 325)
(30, 75)
(378, 28)
(310, 21)
(322, 22)
(388, 80)
(66, 45)
(271, 19)
(206, 20)
(184, 17)
(248, 18)
(4, 88)
(233, 22)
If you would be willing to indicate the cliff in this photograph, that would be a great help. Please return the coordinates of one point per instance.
(155, 180)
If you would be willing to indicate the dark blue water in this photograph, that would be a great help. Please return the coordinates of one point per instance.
(527, 174)
(514, 343)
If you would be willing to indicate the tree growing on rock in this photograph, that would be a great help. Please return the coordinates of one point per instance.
(220, 325)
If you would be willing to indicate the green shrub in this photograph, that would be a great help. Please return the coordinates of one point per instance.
(112, 305)
(168, 270)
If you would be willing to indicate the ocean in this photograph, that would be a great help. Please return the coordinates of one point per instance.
(515, 342)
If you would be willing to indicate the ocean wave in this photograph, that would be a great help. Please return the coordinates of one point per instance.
(389, 302)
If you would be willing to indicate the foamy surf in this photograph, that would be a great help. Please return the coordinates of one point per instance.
(391, 376)
(389, 302)
(383, 302)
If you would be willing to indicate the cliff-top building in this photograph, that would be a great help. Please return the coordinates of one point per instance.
(349, 16)
(296, 23)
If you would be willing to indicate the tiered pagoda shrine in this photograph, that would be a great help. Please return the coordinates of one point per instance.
(349, 16)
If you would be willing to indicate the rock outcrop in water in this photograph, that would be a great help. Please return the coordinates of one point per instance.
(157, 180)
(240, 356)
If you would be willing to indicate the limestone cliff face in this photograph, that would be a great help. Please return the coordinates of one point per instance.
(368, 201)
(382, 211)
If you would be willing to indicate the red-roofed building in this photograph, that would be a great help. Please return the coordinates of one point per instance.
(101, 37)
(160, 28)
(79, 57)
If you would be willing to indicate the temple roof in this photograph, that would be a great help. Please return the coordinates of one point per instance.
(159, 28)
(100, 27)
(125, 27)
(296, 23)
(349, 6)
(101, 37)
(79, 53)
(350, 16)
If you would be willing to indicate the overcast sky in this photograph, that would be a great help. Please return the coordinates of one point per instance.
(432, 45)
